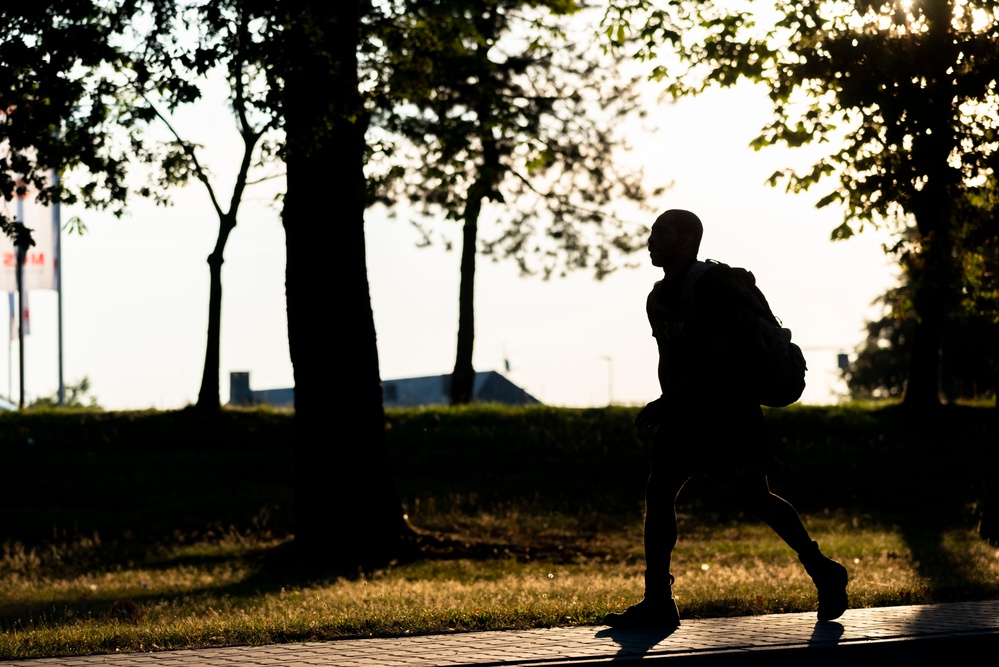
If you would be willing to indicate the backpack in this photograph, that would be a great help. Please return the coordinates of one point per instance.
(781, 363)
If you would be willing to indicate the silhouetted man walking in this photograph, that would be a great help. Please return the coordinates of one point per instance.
(708, 420)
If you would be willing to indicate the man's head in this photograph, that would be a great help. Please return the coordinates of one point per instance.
(674, 240)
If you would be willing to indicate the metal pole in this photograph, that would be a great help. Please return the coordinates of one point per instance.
(57, 248)
(21, 251)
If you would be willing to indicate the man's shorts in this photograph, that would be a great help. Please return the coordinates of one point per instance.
(717, 440)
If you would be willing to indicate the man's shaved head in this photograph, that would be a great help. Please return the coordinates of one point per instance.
(685, 223)
(674, 241)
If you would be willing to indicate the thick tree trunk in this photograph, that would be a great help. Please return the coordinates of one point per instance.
(347, 512)
(934, 295)
(922, 387)
(933, 276)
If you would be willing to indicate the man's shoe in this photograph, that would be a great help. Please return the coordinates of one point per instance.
(646, 614)
(830, 580)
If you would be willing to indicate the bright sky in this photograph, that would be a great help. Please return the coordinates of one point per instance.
(135, 290)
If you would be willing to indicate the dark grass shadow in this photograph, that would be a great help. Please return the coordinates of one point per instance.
(952, 576)
(272, 569)
(934, 496)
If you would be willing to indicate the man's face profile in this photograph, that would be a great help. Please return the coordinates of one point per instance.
(664, 246)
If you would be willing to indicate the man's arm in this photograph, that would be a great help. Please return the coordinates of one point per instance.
(652, 414)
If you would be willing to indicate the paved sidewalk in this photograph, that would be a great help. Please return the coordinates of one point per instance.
(965, 633)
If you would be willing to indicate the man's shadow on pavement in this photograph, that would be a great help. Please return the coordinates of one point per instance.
(826, 632)
(635, 642)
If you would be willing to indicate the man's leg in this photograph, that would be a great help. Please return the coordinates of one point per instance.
(657, 608)
(661, 530)
(829, 576)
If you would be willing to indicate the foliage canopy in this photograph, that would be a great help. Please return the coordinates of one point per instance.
(511, 102)
(60, 106)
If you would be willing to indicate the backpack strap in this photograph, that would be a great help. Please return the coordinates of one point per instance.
(759, 302)
(754, 303)
(697, 270)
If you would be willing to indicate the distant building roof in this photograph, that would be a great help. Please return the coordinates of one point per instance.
(241, 394)
(489, 387)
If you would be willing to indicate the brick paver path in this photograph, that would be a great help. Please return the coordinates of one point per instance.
(763, 640)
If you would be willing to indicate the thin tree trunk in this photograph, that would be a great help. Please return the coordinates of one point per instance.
(208, 396)
(463, 376)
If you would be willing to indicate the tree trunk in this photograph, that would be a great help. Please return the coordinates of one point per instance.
(208, 396)
(463, 376)
(347, 512)
(934, 295)
(922, 388)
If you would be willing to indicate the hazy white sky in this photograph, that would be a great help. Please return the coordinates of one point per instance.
(135, 290)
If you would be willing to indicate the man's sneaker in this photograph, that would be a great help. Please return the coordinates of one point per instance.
(646, 614)
(830, 580)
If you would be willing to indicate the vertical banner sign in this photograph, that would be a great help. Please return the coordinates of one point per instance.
(38, 267)
(40, 260)
(12, 303)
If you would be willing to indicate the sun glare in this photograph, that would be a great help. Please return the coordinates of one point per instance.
(905, 17)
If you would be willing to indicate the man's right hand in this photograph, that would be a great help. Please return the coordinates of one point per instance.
(651, 415)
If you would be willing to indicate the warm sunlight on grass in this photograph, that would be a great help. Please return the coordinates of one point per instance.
(63, 602)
